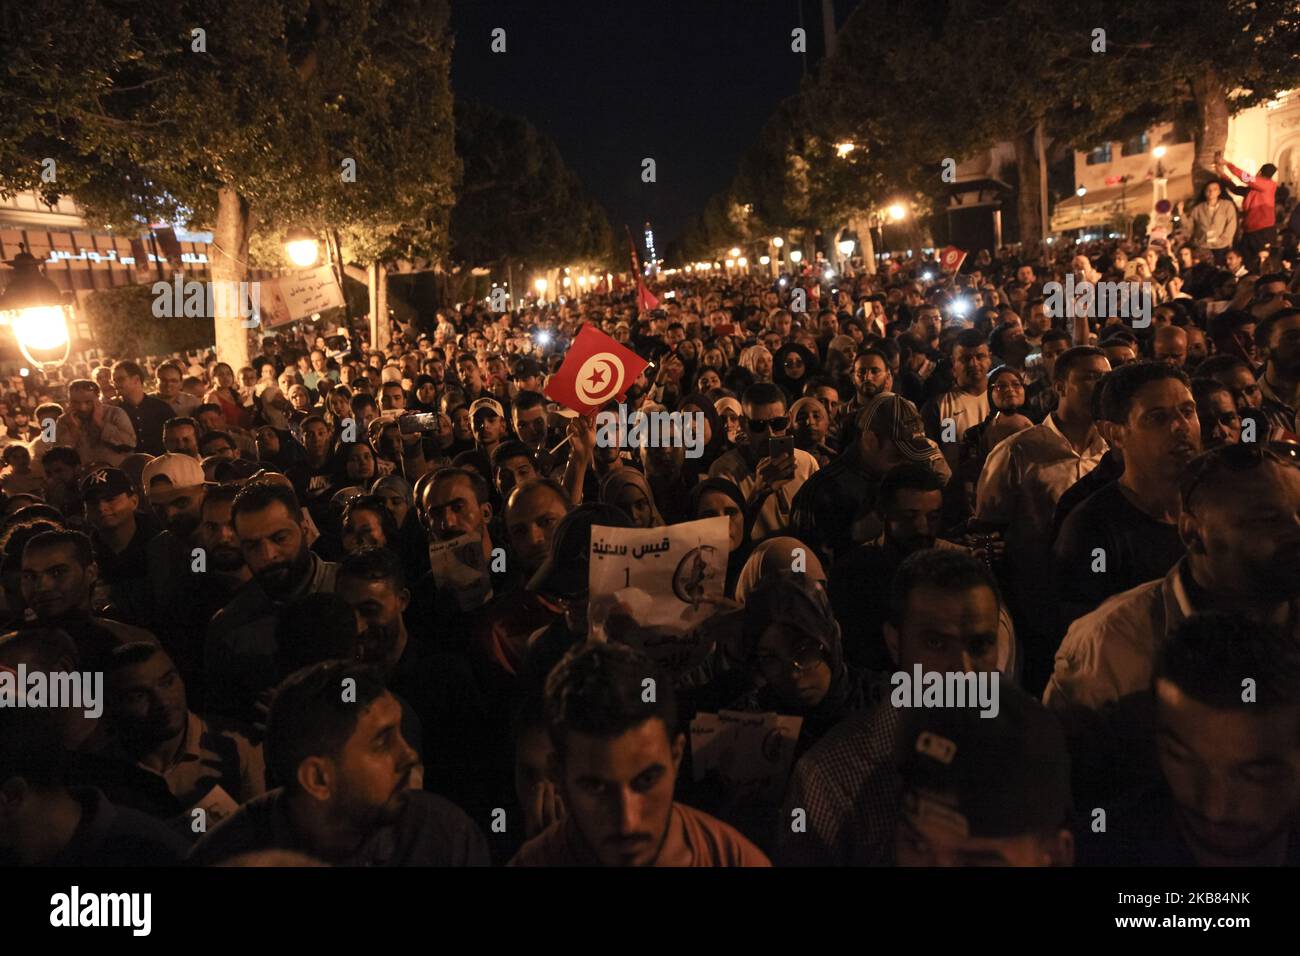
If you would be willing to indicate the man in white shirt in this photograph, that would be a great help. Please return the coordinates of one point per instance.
(947, 416)
(1022, 481)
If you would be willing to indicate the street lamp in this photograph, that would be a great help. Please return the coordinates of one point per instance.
(843, 149)
(796, 255)
(540, 285)
(897, 212)
(742, 262)
(778, 241)
(301, 247)
(1081, 191)
(1158, 152)
(33, 306)
(764, 260)
(735, 252)
(846, 247)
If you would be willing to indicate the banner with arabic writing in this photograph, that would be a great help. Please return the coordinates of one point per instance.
(668, 580)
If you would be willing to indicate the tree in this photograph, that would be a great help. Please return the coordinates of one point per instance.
(519, 201)
(237, 115)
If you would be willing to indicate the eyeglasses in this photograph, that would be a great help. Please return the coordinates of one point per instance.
(793, 361)
(806, 657)
(778, 424)
(1236, 458)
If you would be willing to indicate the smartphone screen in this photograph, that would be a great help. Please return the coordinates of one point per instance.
(783, 446)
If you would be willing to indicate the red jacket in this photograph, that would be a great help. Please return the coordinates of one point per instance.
(1258, 205)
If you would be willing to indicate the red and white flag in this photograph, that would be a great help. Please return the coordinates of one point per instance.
(645, 299)
(951, 258)
(595, 370)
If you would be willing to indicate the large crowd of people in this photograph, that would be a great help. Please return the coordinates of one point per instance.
(1103, 513)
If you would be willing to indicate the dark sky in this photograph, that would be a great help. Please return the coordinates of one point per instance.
(686, 82)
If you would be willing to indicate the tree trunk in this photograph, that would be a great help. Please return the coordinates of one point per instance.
(1212, 127)
(1031, 224)
(228, 264)
(379, 325)
(866, 242)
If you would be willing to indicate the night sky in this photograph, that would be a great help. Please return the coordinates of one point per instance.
(687, 82)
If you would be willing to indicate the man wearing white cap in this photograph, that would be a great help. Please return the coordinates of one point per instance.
(174, 485)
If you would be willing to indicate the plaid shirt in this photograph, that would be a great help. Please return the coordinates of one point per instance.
(849, 786)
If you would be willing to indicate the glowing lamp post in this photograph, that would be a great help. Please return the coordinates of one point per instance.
(33, 307)
(302, 248)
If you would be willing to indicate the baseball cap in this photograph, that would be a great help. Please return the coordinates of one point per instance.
(489, 403)
(174, 470)
(1001, 776)
(894, 418)
(564, 573)
(104, 483)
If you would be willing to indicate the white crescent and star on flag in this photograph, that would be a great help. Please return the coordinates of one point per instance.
(600, 378)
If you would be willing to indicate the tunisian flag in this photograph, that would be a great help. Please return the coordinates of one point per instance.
(645, 300)
(951, 258)
(595, 370)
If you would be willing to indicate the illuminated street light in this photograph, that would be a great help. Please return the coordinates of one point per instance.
(1081, 191)
(795, 255)
(33, 306)
(742, 262)
(1158, 152)
(301, 247)
(843, 149)
(897, 212)
(735, 251)
(731, 263)
(540, 285)
(778, 241)
(764, 260)
(846, 247)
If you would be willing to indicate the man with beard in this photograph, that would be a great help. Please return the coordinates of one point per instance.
(871, 376)
(1278, 337)
(909, 504)
(120, 537)
(58, 579)
(439, 687)
(1127, 532)
(615, 763)
(201, 764)
(175, 486)
(97, 431)
(342, 774)
(239, 650)
(1240, 522)
(1206, 731)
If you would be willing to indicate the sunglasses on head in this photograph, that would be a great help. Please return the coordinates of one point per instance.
(777, 424)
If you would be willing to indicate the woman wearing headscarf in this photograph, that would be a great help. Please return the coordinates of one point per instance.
(730, 414)
(720, 497)
(714, 437)
(774, 555)
(757, 360)
(791, 641)
(1006, 395)
(812, 423)
(792, 366)
(399, 498)
(629, 491)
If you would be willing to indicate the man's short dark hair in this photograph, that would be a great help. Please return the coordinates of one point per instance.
(1210, 656)
(82, 551)
(181, 421)
(762, 393)
(1124, 383)
(207, 407)
(83, 385)
(360, 400)
(310, 717)
(947, 570)
(598, 690)
(911, 475)
(132, 369)
(969, 339)
(1264, 331)
(512, 449)
(216, 435)
(374, 564)
(1217, 365)
(482, 494)
(526, 400)
(129, 655)
(221, 494)
(1056, 335)
(1071, 357)
(259, 495)
(1268, 170)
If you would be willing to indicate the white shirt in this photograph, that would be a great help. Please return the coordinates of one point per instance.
(774, 516)
(1023, 479)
